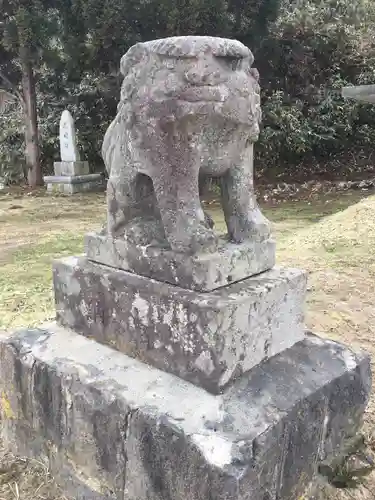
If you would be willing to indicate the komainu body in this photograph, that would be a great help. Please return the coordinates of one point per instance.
(189, 108)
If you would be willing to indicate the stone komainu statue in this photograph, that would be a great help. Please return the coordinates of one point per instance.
(189, 108)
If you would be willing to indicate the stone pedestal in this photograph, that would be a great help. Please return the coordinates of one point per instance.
(201, 272)
(207, 338)
(73, 177)
(111, 427)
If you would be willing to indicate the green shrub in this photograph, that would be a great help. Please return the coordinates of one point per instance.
(305, 50)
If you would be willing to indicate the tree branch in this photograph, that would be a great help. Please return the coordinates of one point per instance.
(12, 88)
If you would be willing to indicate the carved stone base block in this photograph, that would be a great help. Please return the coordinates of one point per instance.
(111, 427)
(207, 338)
(72, 184)
(71, 168)
(202, 272)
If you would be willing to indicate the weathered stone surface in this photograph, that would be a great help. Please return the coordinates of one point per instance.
(202, 272)
(68, 141)
(71, 168)
(206, 338)
(189, 108)
(113, 428)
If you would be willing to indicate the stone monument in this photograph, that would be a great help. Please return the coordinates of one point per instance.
(71, 174)
(179, 367)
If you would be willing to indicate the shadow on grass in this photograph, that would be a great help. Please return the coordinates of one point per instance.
(313, 210)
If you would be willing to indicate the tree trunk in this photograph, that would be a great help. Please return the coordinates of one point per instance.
(32, 152)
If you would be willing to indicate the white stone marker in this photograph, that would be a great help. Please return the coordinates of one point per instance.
(68, 144)
(71, 174)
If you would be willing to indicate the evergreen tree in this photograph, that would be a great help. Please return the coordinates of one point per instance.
(26, 35)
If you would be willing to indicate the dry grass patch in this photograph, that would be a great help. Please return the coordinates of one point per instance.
(33, 231)
(339, 252)
(26, 479)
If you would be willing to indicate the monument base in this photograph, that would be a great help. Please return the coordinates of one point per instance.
(203, 272)
(111, 427)
(72, 184)
(67, 168)
(207, 338)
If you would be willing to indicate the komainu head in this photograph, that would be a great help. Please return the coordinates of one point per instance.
(187, 83)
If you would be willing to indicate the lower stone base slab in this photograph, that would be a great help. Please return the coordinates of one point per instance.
(112, 428)
(206, 338)
(87, 187)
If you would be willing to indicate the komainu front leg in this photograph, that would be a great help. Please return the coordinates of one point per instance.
(121, 202)
(242, 214)
(186, 227)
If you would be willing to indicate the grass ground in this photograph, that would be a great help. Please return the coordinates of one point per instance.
(333, 237)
